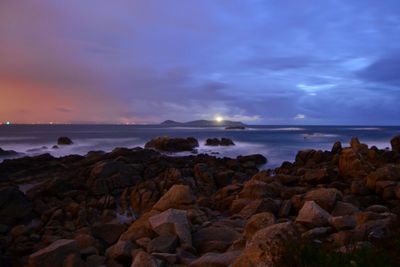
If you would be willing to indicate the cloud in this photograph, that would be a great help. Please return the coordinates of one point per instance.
(300, 117)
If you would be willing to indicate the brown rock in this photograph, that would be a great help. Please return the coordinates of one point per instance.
(216, 259)
(312, 215)
(351, 164)
(121, 251)
(172, 144)
(108, 232)
(389, 172)
(316, 176)
(267, 246)
(53, 255)
(395, 142)
(344, 208)
(326, 198)
(143, 259)
(163, 244)
(257, 222)
(343, 222)
(173, 222)
(259, 205)
(177, 197)
(214, 239)
(140, 228)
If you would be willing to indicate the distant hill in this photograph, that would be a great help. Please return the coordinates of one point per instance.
(203, 123)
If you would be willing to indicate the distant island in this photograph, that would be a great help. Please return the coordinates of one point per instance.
(204, 123)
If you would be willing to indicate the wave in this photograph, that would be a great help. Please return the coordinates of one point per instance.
(366, 129)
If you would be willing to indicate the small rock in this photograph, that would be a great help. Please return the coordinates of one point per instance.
(64, 141)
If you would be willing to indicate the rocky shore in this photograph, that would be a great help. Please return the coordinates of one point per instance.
(138, 207)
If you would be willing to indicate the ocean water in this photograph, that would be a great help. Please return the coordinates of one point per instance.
(277, 143)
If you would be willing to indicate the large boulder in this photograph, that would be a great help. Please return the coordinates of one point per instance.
(219, 142)
(390, 172)
(163, 244)
(14, 206)
(63, 140)
(53, 255)
(395, 142)
(351, 164)
(312, 215)
(108, 232)
(177, 197)
(172, 144)
(324, 197)
(172, 222)
(267, 246)
(257, 159)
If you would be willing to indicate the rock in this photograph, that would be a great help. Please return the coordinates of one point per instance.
(53, 255)
(7, 153)
(172, 144)
(140, 228)
(317, 176)
(351, 164)
(235, 128)
(95, 260)
(219, 142)
(257, 206)
(121, 251)
(389, 172)
(317, 233)
(166, 257)
(344, 208)
(312, 215)
(64, 141)
(74, 260)
(359, 187)
(173, 222)
(326, 198)
(214, 239)
(143, 259)
(336, 148)
(343, 222)
(377, 209)
(267, 246)
(108, 232)
(14, 206)
(395, 142)
(258, 159)
(163, 244)
(257, 222)
(177, 197)
(216, 259)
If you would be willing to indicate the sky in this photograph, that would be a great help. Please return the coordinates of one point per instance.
(145, 61)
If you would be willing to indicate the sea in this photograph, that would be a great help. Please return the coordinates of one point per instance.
(276, 143)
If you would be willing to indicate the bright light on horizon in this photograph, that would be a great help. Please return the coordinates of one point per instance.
(219, 118)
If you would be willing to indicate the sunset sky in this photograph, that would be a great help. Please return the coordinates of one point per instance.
(143, 61)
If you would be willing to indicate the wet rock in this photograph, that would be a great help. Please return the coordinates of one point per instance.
(53, 255)
(258, 159)
(172, 222)
(14, 206)
(395, 142)
(219, 142)
(64, 141)
(267, 246)
(177, 197)
(312, 215)
(173, 144)
(216, 259)
(165, 243)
